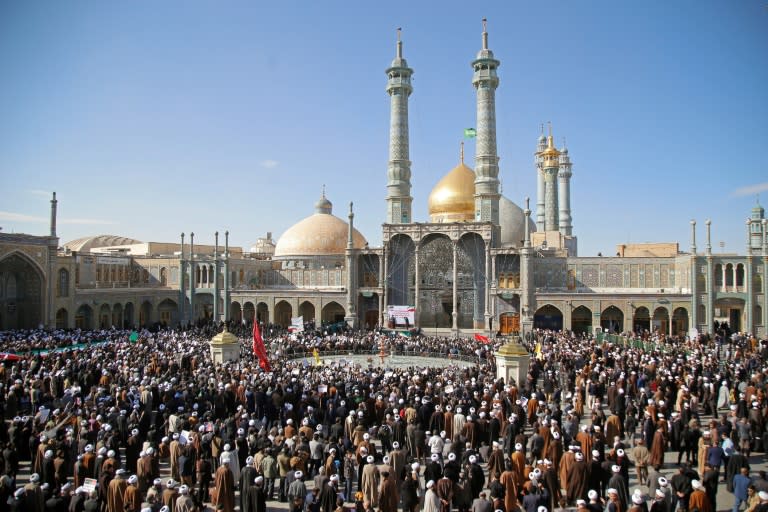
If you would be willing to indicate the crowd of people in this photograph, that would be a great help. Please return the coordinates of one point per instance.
(144, 421)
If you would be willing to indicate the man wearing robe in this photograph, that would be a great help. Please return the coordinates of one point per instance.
(370, 482)
(389, 497)
(224, 483)
(699, 500)
(578, 477)
(657, 449)
(116, 492)
(444, 490)
(507, 480)
(131, 496)
(496, 460)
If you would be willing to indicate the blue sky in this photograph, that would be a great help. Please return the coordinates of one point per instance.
(153, 118)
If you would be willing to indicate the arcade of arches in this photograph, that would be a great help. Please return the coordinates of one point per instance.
(284, 310)
(612, 319)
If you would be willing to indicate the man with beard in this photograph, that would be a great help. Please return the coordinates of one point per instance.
(578, 477)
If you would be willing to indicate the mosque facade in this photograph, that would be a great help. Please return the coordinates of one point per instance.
(479, 264)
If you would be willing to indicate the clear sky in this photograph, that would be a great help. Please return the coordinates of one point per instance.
(153, 118)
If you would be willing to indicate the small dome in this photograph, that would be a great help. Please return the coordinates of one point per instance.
(512, 221)
(321, 234)
(453, 198)
(323, 205)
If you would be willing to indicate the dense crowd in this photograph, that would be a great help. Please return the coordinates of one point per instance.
(129, 422)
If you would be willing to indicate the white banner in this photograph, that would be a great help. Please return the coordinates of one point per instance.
(297, 324)
(401, 315)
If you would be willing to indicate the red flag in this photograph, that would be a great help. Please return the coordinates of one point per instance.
(481, 338)
(258, 348)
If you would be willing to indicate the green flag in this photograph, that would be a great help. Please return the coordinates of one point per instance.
(470, 133)
(134, 337)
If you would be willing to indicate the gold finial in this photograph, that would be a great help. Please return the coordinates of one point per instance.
(461, 154)
(549, 124)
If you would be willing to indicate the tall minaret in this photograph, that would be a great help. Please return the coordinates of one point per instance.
(564, 192)
(350, 253)
(399, 168)
(540, 147)
(551, 162)
(486, 81)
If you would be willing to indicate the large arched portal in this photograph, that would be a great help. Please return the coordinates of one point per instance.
(581, 320)
(548, 317)
(680, 321)
(62, 319)
(21, 293)
(249, 312)
(333, 313)
(307, 310)
(641, 321)
(235, 313)
(612, 320)
(84, 317)
(660, 321)
(283, 313)
(168, 312)
(262, 312)
(400, 270)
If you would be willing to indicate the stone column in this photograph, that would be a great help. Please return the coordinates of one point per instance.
(710, 284)
(455, 297)
(216, 318)
(226, 278)
(383, 278)
(193, 278)
(488, 287)
(182, 284)
(765, 276)
(417, 300)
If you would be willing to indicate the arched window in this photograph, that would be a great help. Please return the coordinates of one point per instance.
(729, 275)
(145, 274)
(163, 276)
(63, 290)
(718, 275)
(740, 275)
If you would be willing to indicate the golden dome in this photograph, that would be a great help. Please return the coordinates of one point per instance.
(453, 198)
(321, 234)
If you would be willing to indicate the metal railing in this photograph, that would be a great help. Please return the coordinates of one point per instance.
(373, 354)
